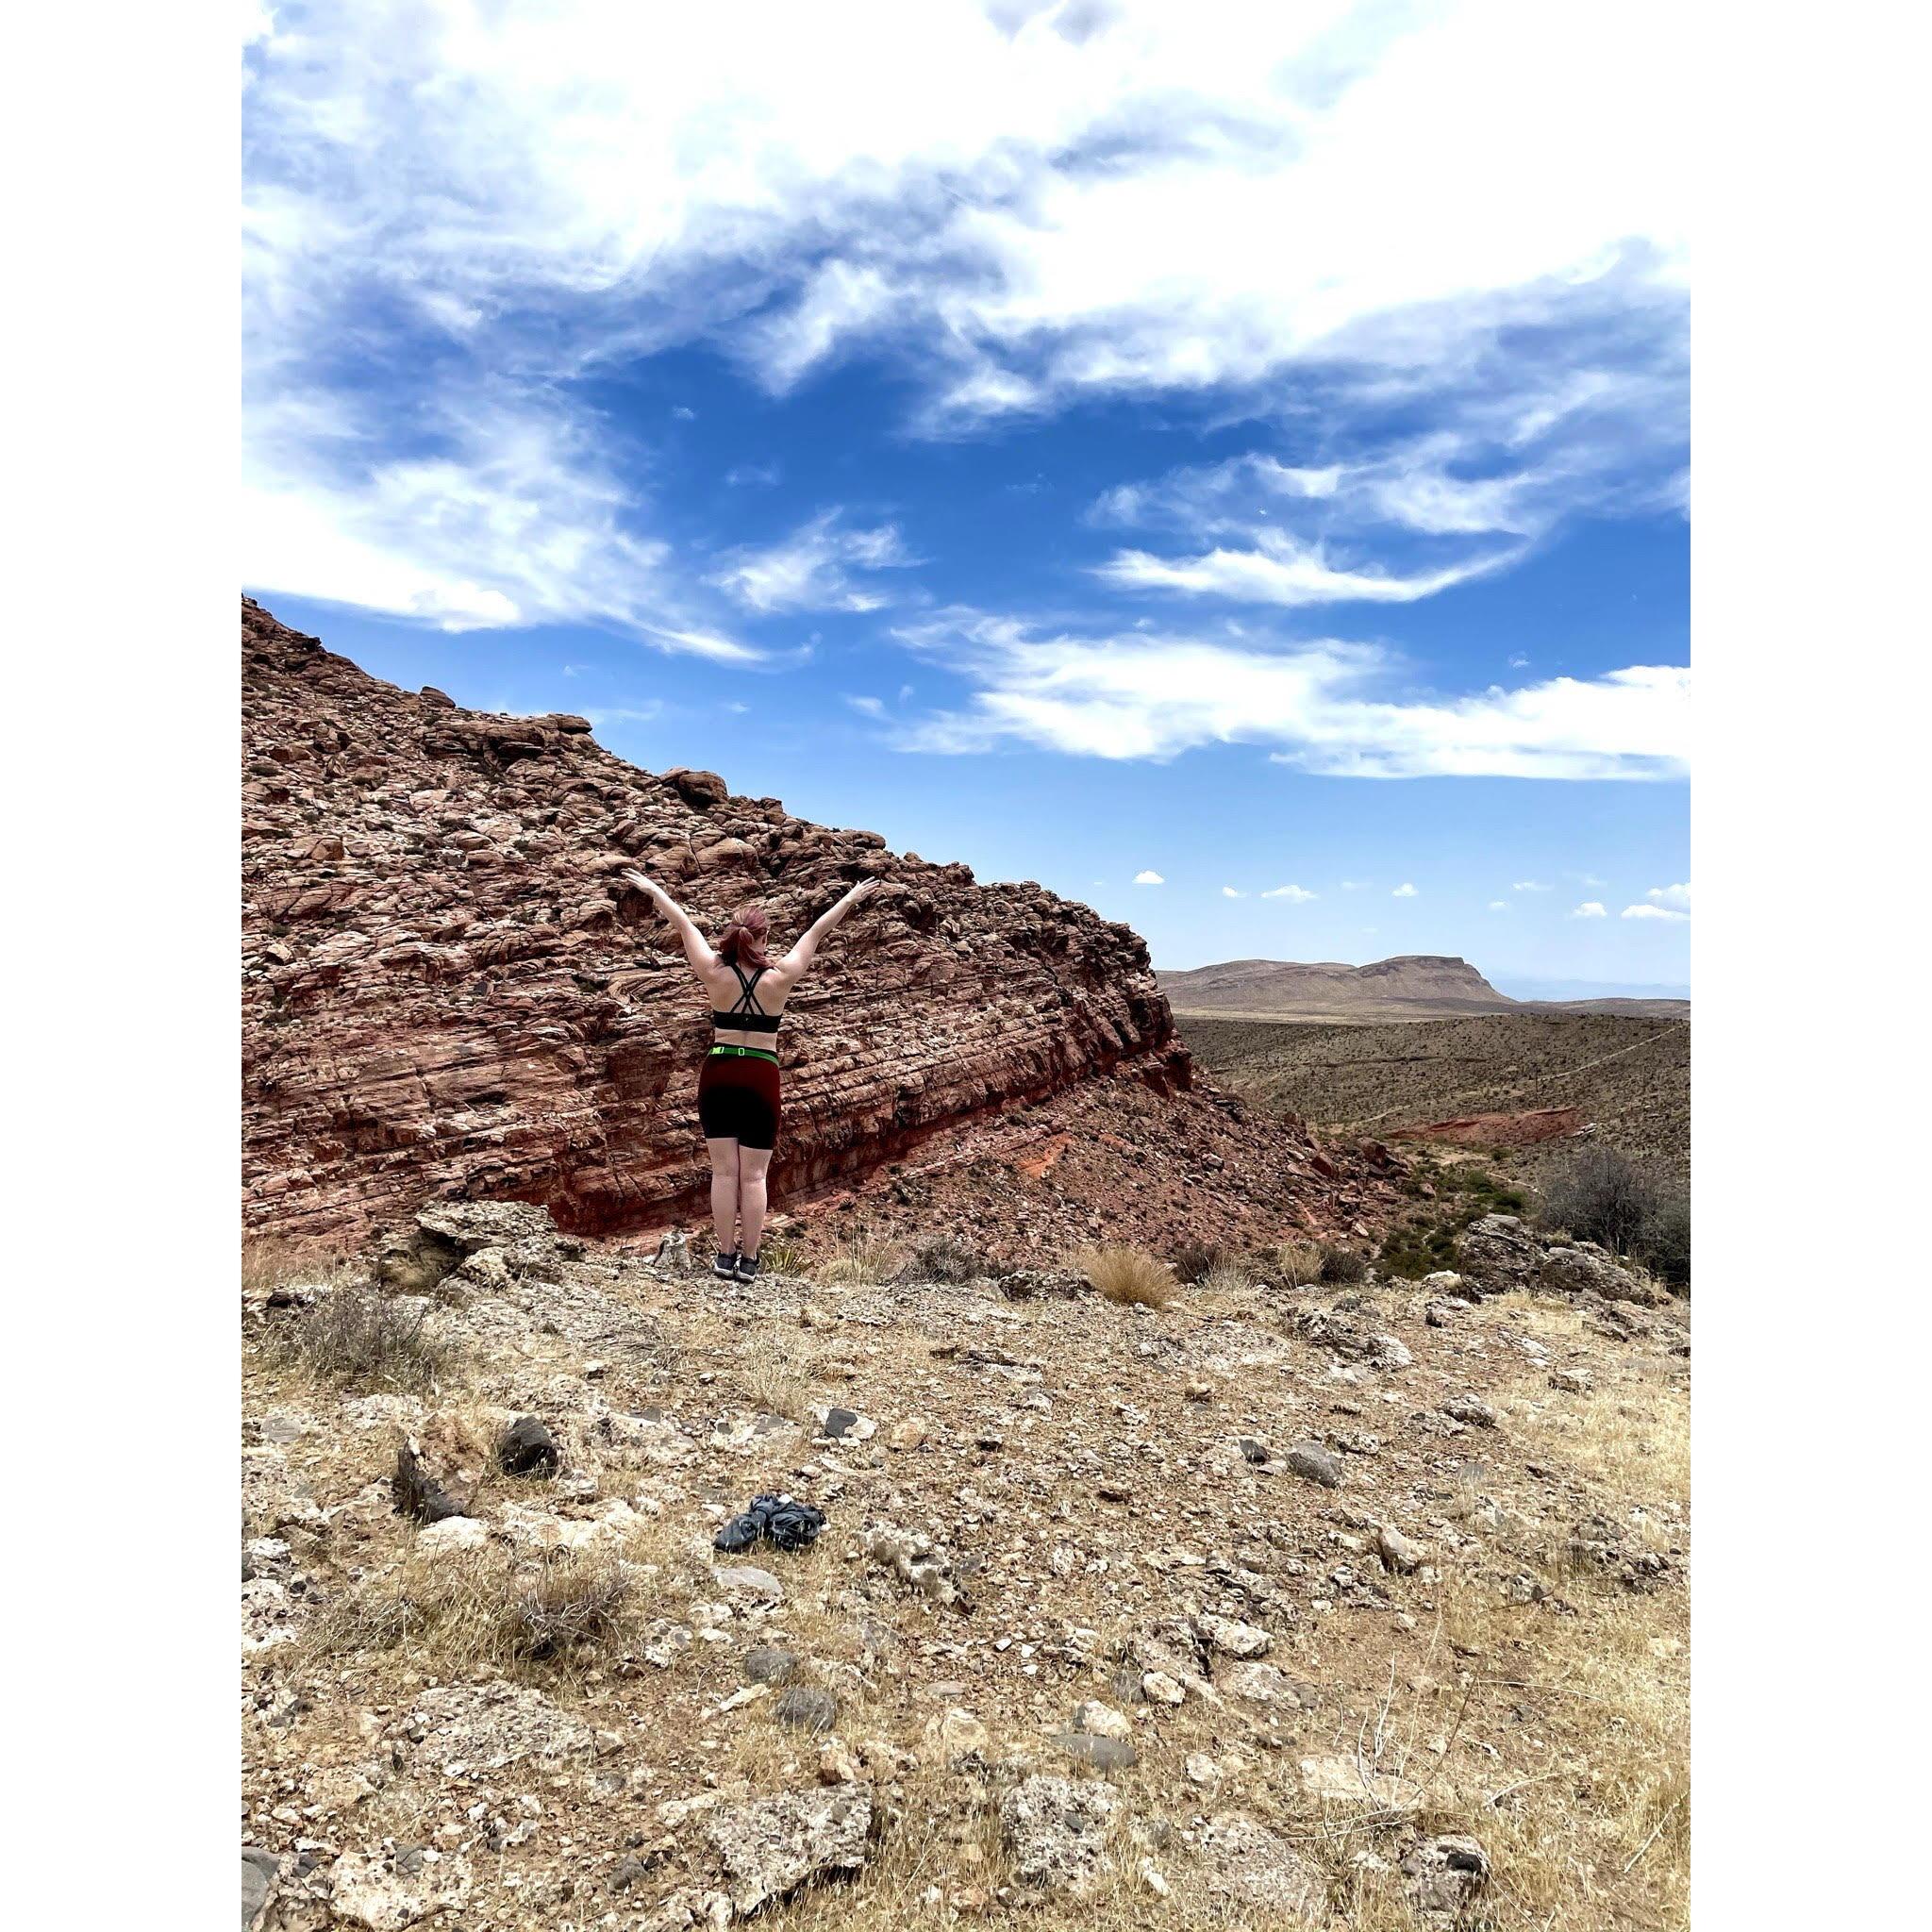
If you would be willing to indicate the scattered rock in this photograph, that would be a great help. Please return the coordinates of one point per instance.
(1258, 1870)
(1344, 1782)
(469, 1730)
(527, 1449)
(766, 1664)
(773, 1846)
(417, 1491)
(1445, 1875)
(258, 1870)
(1232, 1638)
(1259, 1684)
(844, 1424)
(1574, 1381)
(453, 1533)
(806, 1708)
(1057, 1828)
(1471, 1411)
(954, 1734)
(1102, 1753)
(386, 1892)
(1398, 1552)
(917, 1561)
(1311, 1460)
(1102, 1720)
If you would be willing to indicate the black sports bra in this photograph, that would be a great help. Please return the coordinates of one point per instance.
(747, 1014)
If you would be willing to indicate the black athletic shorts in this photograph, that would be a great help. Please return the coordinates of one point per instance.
(738, 1098)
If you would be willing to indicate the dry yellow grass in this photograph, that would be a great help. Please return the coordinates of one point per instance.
(1127, 1275)
(860, 1263)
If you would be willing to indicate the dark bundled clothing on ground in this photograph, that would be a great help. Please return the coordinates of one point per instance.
(781, 1520)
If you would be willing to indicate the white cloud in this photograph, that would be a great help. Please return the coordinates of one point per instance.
(1145, 694)
(1280, 570)
(1020, 203)
(1229, 893)
(1590, 908)
(1678, 896)
(1148, 878)
(813, 569)
(1354, 885)
(1294, 894)
(872, 707)
(1647, 910)
(513, 521)
(1404, 890)
(1530, 886)
(1499, 905)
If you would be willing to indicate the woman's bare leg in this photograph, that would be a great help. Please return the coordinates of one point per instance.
(752, 1164)
(724, 1182)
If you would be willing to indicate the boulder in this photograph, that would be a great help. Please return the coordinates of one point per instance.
(1259, 1872)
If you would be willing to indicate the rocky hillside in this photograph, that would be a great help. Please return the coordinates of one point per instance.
(448, 992)
(1359, 1608)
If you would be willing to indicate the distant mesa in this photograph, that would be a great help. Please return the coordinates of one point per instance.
(1412, 986)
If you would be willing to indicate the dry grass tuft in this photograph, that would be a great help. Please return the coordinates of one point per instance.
(485, 1612)
(860, 1264)
(1300, 1262)
(364, 1340)
(1127, 1275)
(269, 1262)
(781, 1256)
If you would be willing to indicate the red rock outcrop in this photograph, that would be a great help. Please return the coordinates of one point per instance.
(449, 992)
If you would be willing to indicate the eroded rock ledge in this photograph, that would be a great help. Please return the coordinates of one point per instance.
(448, 994)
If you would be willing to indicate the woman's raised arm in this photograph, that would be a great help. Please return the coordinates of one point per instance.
(696, 948)
(797, 962)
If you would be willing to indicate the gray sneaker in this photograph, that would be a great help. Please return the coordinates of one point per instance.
(747, 1267)
(725, 1267)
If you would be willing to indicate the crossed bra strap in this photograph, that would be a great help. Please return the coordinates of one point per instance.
(746, 1013)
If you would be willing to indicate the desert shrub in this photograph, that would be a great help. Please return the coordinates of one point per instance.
(1600, 1195)
(367, 1341)
(572, 1604)
(1196, 1261)
(1666, 1243)
(1605, 1196)
(1481, 1191)
(945, 1260)
(1339, 1265)
(1300, 1262)
(1122, 1274)
(1419, 1249)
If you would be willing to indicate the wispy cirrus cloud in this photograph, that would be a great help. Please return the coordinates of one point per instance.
(458, 217)
(819, 567)
(1323, 705)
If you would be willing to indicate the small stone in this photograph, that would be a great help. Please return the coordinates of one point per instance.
(1253, 1449)
(838, 1764)
(1397, 1552)
(1203, 1771)
(1232, 1637)
(1469, 1410)
(527, 1449)
(1102, 1753)
(1155, 1883)
(1445, 1875)
(906, 1435)
(954, 1734)
(844, 1424)
(773, 1846)
(805, 1708)
(1314, 1463)
(453, 1533)
(1336, 1780)
(1259, 1871)
(745, 1579)
(1102, 1720)
(1159, 1687)
(1259, 1684)
(765, 1663)
(1574, 1381)
(1198, 1392)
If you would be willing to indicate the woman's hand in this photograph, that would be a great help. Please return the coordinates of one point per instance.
(863, 891)
(650, 887)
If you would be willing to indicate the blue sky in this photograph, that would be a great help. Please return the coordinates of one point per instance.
(1240, 448)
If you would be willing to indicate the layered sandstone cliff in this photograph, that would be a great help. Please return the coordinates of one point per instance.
(448, 991)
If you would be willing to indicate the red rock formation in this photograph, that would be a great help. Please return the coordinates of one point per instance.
(448, 991)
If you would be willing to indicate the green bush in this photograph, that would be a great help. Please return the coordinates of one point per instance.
(1604, 1196)
(1341, 1265)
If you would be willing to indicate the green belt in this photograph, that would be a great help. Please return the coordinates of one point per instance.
(746, 1053)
